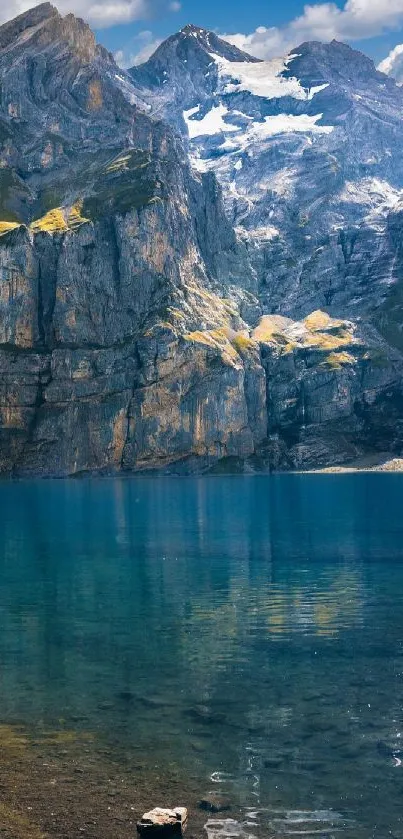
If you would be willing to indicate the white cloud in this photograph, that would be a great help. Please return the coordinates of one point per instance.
(392, 65)
(140, 48)
(358, 19)
(99, 13)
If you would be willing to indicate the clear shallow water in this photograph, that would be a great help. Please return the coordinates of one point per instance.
(247, 631)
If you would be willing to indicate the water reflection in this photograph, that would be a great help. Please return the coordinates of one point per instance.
(240, 628)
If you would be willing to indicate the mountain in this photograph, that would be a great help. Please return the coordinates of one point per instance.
(200, 260)
(181, 71)
(307, 151)
(109, 255)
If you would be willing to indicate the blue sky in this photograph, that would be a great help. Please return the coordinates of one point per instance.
(223, 16)
(374, 26)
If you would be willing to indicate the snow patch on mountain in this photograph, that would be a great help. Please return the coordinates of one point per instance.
(264, 79)
(286, 124)
(211, 123)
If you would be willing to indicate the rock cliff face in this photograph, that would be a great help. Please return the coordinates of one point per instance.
(149, 316)
(112, 257)
(306, 149)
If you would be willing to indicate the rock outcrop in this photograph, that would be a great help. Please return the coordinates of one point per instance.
(150, 321)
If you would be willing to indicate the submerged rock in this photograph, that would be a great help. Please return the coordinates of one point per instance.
(213, 802)
(161, 822)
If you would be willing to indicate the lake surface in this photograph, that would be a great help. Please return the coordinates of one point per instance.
(241, 634)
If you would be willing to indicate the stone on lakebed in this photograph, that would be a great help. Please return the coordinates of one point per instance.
(160, 822)
(214, 803)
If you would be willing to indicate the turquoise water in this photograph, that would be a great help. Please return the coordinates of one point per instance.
(247, 630)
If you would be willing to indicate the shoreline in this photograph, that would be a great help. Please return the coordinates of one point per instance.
(388, 466)
(65, 783)
(384, 462)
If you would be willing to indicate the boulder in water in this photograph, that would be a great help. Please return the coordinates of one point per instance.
(161, 822)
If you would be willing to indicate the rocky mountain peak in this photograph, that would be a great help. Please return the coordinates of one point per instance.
(43, 27)
(59, 89)
(213, 44)
(316, 63)
(76, 34)
(188, 57)
(32, 19)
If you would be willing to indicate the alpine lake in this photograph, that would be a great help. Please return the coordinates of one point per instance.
(229, 644)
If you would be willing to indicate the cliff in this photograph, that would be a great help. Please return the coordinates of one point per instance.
(141, 325)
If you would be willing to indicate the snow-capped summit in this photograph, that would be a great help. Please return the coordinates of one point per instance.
(212, 43)
(306, 147)
(185, 60)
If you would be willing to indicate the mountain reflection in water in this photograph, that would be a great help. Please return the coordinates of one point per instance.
(246, 631)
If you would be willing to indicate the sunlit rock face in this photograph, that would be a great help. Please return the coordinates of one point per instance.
(112, 257)
(220, 292)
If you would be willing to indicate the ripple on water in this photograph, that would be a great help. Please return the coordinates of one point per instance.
(256, 823)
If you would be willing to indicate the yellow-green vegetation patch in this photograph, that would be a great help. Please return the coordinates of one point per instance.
(229, 307)
(52, 222)
(272, 328)
(66, 737)
(119, 164)
(75, 218)
(320, 320)
(337, 360)
(289, 347)
(12, 742)
(318, 331)
(242, 343)
(6, 226)
(60, 219)
(217, 339)
(156, 328)
(106, 187)
(201, 337)
(327, 341)
(176, 314)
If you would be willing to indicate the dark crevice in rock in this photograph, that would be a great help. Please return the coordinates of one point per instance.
(43, 381)
(115, 249)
